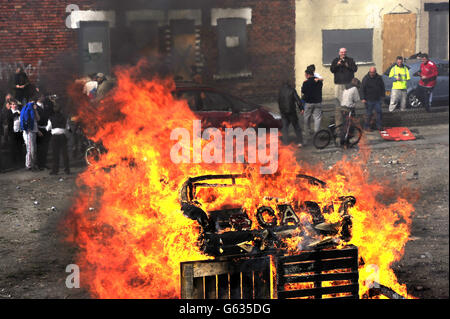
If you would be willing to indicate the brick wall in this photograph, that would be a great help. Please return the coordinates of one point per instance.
(33, 34)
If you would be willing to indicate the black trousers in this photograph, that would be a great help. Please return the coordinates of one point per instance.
(15, 141)
(424, 94)
(288, 119)
(59, 147)
(42, 143)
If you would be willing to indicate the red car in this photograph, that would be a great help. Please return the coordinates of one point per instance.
(214, 108)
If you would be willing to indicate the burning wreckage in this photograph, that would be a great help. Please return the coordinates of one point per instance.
(253, 262)
(229, 231)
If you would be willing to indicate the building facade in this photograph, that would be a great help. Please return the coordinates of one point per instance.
(374, 33)
(245, 47)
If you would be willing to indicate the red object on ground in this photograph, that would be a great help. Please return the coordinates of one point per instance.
(397, 134)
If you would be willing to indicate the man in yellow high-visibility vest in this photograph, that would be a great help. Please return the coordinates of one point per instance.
(401, 74)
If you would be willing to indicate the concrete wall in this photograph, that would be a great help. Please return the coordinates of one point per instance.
(314, 16)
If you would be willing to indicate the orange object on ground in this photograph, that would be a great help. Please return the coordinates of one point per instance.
(397, 134)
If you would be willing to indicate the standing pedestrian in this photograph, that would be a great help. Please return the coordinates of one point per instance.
(44, 109)
(312, 94)
(15, 138)
(343, 68)
(350, 97)
(3, 124)
(288, 100)
(21, 86)
(401, 75)
(428, 77)
(57, 125)
(372, 93)
(317, 76)
(29, 118)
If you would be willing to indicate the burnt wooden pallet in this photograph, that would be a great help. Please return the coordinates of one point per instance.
(226, 279)
(304, 275)
(327, 273)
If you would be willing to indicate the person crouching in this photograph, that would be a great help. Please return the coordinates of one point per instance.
(57, 124)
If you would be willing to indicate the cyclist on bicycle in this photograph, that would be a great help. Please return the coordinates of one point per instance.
(350, 97)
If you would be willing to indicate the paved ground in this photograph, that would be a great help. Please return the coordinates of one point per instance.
(33, 257)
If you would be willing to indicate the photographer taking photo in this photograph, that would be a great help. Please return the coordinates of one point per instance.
(343, 68)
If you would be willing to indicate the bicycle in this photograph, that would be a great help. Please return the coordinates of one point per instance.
(90, 150)
(352, 134)
(93, 152)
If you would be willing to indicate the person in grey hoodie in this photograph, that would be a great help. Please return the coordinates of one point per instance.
(350, 97)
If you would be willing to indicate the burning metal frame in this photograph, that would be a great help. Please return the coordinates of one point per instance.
(216, 241)
(255, 264)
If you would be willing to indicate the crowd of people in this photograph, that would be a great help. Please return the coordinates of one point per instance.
(34, 126)
(30, 124)
(349, 90)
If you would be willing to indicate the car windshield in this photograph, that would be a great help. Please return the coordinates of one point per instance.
(241, 106)
(205, 100)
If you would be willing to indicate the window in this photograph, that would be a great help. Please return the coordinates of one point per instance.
(358, 43)
(232, 45)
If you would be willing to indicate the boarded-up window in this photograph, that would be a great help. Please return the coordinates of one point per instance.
(358, 43)
(399, 36)
(232, 44)
(145, 35)
(94, 47)
(183, 48)
(438, 34)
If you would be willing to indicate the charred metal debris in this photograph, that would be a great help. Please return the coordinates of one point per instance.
(227, 232)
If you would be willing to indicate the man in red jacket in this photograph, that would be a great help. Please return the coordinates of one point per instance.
(428, 76)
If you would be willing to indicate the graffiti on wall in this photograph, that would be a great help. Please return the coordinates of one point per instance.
(7, 69)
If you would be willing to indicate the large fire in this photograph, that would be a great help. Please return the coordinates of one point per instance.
(127, 219)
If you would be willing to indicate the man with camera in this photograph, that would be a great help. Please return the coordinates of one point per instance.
(343, 68)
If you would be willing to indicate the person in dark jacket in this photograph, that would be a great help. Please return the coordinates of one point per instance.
(312, 94)
(372, 93)
(15, 138)
(57, 124)
(44, 109)
(21, 86)
(288, 100)
(343, 68)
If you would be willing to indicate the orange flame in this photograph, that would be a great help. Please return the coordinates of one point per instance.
(133, 240)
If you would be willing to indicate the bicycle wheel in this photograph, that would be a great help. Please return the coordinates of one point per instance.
(321, 139)
(354, 135)
(92, 155)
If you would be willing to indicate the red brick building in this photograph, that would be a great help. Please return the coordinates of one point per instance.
(245, 47)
